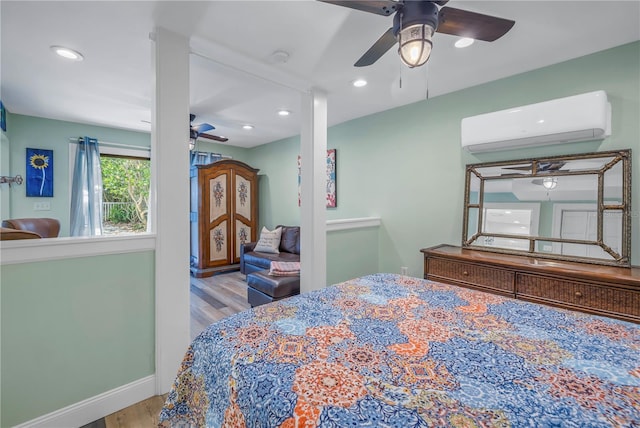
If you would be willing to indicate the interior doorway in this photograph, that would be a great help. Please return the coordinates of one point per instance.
(580, 222)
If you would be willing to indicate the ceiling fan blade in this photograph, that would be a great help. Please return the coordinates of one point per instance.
(213, 137)
(203, 127)
(521, 168)
(550, 166)
(380, 7)
(379, 48)
(440, 2)
(477, 26)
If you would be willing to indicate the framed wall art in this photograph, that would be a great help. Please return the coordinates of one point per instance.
(3, 117)
(39, 172)
(332, 196)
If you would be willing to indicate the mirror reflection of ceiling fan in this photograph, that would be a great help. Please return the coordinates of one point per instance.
(548, 183)
(541, 167)
(414, 23)
(198, 131)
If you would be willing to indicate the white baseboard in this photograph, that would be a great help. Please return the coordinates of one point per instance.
(94, 408)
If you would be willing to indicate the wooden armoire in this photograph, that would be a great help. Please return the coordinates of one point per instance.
(224, 214)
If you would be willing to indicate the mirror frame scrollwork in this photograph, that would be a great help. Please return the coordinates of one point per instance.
(621, 258)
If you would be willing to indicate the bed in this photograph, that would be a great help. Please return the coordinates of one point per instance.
(393, 351)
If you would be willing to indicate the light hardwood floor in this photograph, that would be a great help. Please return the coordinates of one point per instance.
(212, 299)
(215, 298)
(142, 414)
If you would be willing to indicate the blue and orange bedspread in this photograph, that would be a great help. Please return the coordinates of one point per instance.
(392, 351)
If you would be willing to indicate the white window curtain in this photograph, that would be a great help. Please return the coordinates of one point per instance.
(86, 190)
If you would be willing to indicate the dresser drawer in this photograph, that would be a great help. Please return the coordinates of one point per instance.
(472, 274)
(581, 294)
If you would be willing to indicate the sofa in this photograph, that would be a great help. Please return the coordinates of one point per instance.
(29, 228)
(262, 287)
(9, 234)
(253, 261)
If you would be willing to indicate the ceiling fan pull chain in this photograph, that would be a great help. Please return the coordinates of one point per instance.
(400, 64)
(426, 71)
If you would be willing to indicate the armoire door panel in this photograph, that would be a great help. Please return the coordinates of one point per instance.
(243, 235)
(218, 233)
(243, 191)
(219, 243)
(218, 196)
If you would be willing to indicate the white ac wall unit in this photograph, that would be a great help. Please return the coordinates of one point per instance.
(581, 117)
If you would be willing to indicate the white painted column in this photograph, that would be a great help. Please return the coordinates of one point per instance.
(313, 150)
(170, 173)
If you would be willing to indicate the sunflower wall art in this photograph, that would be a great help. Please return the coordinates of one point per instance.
(39, 172)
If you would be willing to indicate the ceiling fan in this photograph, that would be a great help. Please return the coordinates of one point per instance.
(541, 166)
(198, 131)
(414, 23)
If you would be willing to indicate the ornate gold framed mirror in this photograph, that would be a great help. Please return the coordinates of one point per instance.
(574, 208)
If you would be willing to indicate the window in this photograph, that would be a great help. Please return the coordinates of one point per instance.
(125, 193)
(125, 169)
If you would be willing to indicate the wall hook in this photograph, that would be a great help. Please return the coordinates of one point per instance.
(6, 179)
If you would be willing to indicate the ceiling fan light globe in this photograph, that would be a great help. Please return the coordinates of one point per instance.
(550, 183)
(414, 44)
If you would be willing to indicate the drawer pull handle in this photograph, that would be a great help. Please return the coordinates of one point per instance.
(578, 294)
(465, 273)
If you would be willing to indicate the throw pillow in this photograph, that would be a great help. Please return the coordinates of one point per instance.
(269, 241)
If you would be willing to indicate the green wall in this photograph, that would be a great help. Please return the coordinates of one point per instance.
(406, 166)
(352, 253)
(72, 329)
(278, 182)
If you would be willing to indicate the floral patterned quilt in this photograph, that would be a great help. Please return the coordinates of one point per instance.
(393, 351)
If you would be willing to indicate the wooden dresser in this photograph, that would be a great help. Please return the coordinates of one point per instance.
(603, 290)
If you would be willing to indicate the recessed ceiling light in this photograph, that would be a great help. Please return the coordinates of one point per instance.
(279, 57)
(359, 83)
(464, 42)
(247, 127)
(67, 53)
(284, 112)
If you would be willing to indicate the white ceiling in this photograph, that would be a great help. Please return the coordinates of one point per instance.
(112, 86)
